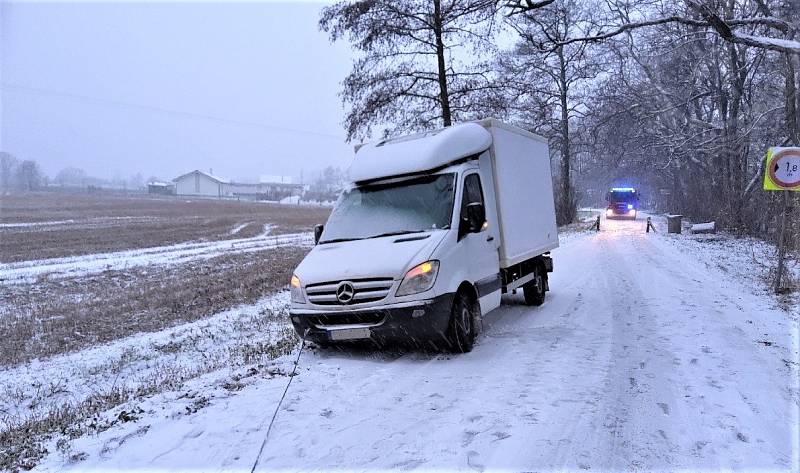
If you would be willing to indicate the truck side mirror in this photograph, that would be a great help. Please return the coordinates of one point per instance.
(476, 216)
(318, 232)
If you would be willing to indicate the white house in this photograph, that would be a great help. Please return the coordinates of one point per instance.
(201, 183)
(205, 184)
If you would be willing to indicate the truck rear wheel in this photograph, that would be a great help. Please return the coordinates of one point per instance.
(534, 290)
(462, 328)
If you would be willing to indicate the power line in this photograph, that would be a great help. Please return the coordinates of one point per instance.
(151, 108)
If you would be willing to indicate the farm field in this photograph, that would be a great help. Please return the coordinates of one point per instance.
(107, 298)
(47, 225)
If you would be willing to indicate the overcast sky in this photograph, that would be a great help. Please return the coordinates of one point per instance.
(165, 88)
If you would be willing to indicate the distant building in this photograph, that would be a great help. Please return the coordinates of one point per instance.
(205, 184)
(274, 179)
(201, 183)
(160, 188)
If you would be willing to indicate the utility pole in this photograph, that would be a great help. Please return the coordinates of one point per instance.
(782, 242)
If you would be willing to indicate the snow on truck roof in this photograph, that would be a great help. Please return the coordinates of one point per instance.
(418, 153)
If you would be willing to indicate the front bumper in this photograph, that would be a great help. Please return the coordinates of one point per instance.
(621, 214)
(422, 323)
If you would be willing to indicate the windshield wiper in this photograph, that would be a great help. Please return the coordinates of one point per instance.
(338, 240)
(402, 232)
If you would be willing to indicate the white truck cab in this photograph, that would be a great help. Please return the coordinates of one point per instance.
(433, 229)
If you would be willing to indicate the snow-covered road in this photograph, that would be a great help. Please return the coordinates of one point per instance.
(644, 357)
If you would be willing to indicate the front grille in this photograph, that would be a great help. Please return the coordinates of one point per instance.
(369, 318)
(365, 290)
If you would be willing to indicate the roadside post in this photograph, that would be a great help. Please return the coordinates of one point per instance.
(650, 226)
(782, 173)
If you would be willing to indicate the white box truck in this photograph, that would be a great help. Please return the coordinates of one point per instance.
(433, 229)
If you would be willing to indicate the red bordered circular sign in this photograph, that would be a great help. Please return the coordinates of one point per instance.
(784, 170)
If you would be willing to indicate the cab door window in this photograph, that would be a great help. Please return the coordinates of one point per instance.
(472, 194)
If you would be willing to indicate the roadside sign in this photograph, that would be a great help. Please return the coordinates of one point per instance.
(782, 170)
(782, 173)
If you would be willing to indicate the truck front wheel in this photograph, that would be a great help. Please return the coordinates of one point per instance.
(462, 329)
(534, 290)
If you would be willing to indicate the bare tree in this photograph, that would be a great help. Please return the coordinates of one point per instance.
(8, 165)
(420, 63)
(28, 175)
(71, 176)
(550, 83)
(719, 15)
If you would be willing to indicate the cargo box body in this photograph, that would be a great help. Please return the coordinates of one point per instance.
(519, 163)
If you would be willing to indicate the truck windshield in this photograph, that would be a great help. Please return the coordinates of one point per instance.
(415, 205)
(621, 196)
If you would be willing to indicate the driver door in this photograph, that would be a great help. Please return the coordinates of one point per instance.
(480, 249)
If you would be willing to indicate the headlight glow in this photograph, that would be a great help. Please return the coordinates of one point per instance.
(609, 212)
(296, 289)
(630, 206)
(418, 279)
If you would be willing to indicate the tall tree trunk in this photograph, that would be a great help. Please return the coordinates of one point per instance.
(567, 213)
(444, 97)
(792, 131)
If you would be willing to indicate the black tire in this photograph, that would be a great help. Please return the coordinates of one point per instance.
(462, 324)
(534, 290)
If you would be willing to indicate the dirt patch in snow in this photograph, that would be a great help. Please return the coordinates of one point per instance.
(53, 225)
(47, 318)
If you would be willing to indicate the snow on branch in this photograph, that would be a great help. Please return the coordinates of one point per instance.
(725, 28)
(522, 6)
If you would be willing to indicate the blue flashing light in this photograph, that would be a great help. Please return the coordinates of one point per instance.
(630, 206)
(623, 189)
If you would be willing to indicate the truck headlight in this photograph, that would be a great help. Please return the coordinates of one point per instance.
(418, 279)
(609, 212)
(297, 290)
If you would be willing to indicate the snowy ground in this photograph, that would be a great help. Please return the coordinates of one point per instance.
(74, 266)
(647, 355)
(32, 389)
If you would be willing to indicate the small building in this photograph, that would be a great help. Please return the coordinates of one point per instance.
(160, 188)
(205, 184)
(201, 183)
(274, 179)
(272, 191)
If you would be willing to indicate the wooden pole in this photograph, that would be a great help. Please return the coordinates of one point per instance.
(782, 242)
(650, 226)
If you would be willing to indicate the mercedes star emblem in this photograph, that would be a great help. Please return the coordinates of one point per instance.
(345, 292)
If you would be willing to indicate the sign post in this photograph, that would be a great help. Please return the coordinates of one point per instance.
(782, 173)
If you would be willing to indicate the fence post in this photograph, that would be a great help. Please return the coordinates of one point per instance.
(596, 225)
(650, 226)
(782, 242)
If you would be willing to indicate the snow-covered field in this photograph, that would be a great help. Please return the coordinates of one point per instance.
(32, 389)
(652, 352)
(74, 266)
